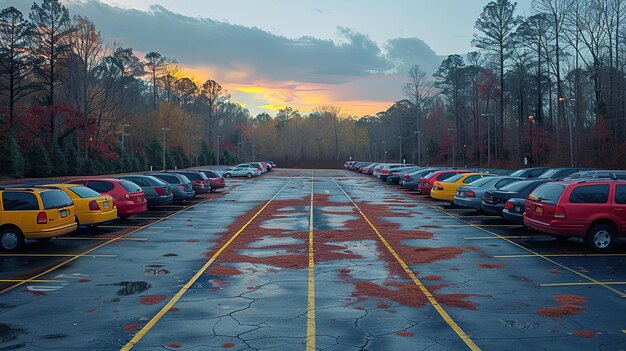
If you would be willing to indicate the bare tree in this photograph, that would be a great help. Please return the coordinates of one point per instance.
(420, 90)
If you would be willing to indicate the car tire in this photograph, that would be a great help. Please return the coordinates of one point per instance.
(601, 237)
(11, 240)
(249, 175)
(43, 240)
(227, 175)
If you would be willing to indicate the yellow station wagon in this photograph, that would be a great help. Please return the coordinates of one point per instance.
(33, 213)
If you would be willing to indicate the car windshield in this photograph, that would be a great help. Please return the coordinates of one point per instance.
(548, 193)
(482, 181)
(549, 173)
(518, 173)
(84, 192)
(55, 199)
(429, 175)
(129, 186)
(516, 187)
(454, 178)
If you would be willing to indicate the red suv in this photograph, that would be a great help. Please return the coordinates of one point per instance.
(127, 196)
(594, 210)
(426, 183)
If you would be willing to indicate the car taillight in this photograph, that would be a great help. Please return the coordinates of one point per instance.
(258, 169)
(394, 174)
(470, 193)
(181, 187)
(160, 191)
(127, 196)
(559, 212)
(385, 171)
(508, 205)
(93, 206)
(42, 218)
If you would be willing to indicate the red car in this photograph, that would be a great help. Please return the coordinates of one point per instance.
(426, 183)
(216, 179)
(594, 210)
(127, 196)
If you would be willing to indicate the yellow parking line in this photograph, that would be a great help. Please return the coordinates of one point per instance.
(55, 255)
(30, 281)
(446, 317)
(582, 284)
(310, 314)
(99, 238)
(144, 218)
(193, 279)
(560, 255)
(535, 254)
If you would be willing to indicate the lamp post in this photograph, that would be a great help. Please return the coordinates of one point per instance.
(453, 143)
(488, 115)
(164, 130)
(464, 155)
(569, 124)
(531, 120)
(123, 133)
(218, 149)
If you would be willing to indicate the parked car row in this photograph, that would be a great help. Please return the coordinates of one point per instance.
(250, 169)
(562, 202)
(44, 211)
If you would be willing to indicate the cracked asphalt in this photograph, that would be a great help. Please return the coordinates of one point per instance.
(233, 273)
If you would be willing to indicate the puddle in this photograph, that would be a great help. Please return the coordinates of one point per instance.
(130, 288)
(156, 271)
(265, 253)
(271, 241)
(295, 223)
(9, 332)
(337, 209)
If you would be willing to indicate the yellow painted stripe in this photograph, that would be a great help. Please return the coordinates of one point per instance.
(193, 279)
(446, 317)
(30, 281)
(582, 283)
(310, 314)
(55, 255)
(535, 254)
(87, 252)
(560, 255)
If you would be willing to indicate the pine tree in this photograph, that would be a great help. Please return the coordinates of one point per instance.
(38, 160)
(12, 162)
(59, 161)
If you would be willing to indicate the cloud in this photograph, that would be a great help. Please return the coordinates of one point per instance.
(405, 52)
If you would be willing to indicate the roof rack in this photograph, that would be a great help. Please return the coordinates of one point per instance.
(589, 180)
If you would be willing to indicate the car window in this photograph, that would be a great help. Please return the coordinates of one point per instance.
(429, 175)
(549, 174)
(503, 183)
(518, 173)
(482, 181)
(138, 181)
(470, 179)
(590, 194)
(169, 178)
(184, 179)
(445, 176)
(153, 181)
(535, 173)
(548, 193)
(129, 186)
(100, 186)
(19, 201)
(454, 178)
(192, 176)
(84, 192)
(55, 199)
(516, 187)
(620, 194)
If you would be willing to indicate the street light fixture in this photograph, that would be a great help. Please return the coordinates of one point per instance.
(164, 130)
(400, 140)
(531, 120)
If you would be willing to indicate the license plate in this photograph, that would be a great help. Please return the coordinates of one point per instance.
(63, 214)
(139, 199)
(539, 210)
(106, 204)
(517, 209)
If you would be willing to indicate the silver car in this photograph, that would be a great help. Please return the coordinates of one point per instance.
(471, 195)
(242, 171)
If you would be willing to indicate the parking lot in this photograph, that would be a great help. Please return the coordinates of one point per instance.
(312, 259)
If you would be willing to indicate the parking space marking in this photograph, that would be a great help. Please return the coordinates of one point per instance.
(98, 238)
(446, 317)
(55, 255)
(581, 284)
(535, 254)
(119, 226)
(31, 281)
(560, 255)
(310, 313)
(504, 236)
(146, 328)
(88, 251)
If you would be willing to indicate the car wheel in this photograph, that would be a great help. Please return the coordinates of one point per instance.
(601, 237)
(11, 240)
(249, 175)
(227, 175)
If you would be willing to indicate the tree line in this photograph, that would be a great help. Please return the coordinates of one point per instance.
(74, 104)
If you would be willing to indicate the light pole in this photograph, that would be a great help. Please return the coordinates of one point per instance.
(400, 140)
(531, 120)
(488, 115)
(218, 149)
(123, 133)
(164, 130)
(464, 155)
(453, 142)
(569, 124)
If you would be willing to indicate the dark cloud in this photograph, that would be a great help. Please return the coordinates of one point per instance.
(207, 42)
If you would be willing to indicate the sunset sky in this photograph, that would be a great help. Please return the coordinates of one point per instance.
(269, 54)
